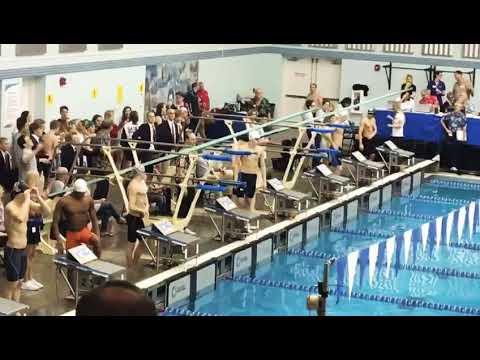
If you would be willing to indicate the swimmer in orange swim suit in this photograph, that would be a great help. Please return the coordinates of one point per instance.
(77, 210)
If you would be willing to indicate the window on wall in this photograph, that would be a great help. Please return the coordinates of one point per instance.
(102, 47)
(30, 49)
(398, 48)
(437, 49)
(72, 48)
(360, 47)
(471, 51)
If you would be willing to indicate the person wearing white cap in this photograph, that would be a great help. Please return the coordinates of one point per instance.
(78, 210)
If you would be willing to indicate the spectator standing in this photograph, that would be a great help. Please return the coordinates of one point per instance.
(147, 132)
(454, 123)
(23, 122)
(408, 84)
(63, 121)
(203, 97)
(8, 174)
(462, 89)
(127, 133)
(398, 122)
(28, 159)
(314, 96)
(438, 89)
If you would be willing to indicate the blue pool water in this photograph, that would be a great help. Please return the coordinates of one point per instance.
(280, 287)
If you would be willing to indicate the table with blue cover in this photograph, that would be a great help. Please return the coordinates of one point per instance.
(423, 133)
(425, 127)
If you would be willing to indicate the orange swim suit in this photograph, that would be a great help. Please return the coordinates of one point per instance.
(75, 238)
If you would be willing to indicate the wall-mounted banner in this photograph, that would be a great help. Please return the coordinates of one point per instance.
(164, 80)
(120, 95)
(405, 186)
(337, 217)
(141, 88)
(205, 279)
(94, 93)
(50, 100)
(374, 200)
(295, 236)
(179, 290)
(242, 261)
(11, 105)
(313, 227)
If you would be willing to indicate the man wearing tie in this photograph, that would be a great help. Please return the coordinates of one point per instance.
(8, 175)
(168, 133)
(147, 132)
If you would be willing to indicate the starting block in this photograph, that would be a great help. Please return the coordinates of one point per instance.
(285, 200)
(327, 183)
(167, 240)
(81, 265)
(365, 169)
(12, 308)
(236, 222)
(396, 156)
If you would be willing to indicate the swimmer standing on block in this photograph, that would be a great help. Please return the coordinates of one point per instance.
(77, 210)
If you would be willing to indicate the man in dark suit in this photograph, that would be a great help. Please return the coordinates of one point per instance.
(8, 174)
(147, 132)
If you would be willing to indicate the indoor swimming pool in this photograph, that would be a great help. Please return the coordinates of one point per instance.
(420, 270)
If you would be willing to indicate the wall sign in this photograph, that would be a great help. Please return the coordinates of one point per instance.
(179, 290)
(205, 279)
(313, 226)
(352, 210)
(295, 236)
(374, 200)
(11, 105)
(264, 251)
(405, 186)
(242, 261)
(386, 194)
(337, 217)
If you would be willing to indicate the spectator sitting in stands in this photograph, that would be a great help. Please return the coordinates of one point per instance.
(428, 99)
(260, 104)
(116, 298)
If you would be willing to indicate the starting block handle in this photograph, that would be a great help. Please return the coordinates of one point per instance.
(217, 157)
(211, 187)
(327, 150)
(237, 184)
(322, 130)
(237, 152)
(340, 126)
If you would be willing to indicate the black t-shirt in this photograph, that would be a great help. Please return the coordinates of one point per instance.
(414, 89)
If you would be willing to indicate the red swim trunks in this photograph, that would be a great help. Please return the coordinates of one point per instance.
(76, 238)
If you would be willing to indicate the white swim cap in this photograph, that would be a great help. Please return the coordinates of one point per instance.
(80, 186)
